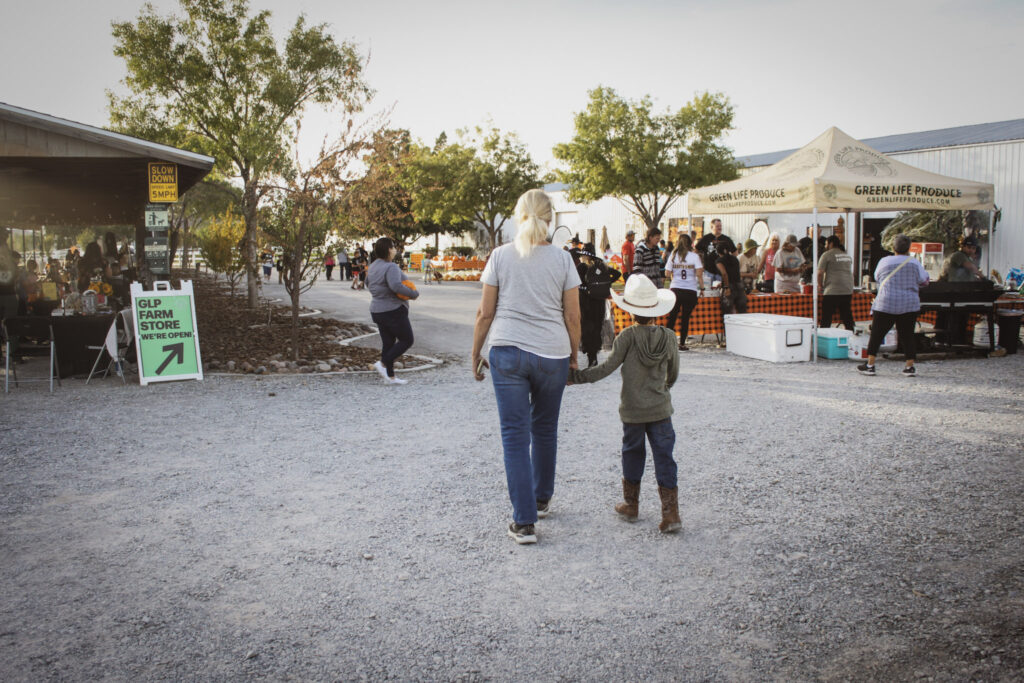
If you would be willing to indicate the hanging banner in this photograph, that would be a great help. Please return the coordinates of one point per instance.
(163, 182)
(166, 335)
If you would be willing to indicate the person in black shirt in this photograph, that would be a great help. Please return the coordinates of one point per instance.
(734, 298)
(597, 278)
(707, 247)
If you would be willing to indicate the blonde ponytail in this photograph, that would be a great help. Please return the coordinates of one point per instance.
(533, 215)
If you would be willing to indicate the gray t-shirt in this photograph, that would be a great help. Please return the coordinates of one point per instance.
(837, 266)
(529, 313)
(787, 259)
(384, 280)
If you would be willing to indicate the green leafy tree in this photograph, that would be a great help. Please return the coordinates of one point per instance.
(380, 202)
(216, 81)
(220, 242)
(946, 227)
(206, 200)
(478, 179)
(646, 160)
(305, 207)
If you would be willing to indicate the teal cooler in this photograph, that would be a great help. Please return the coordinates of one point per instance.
(834, 343)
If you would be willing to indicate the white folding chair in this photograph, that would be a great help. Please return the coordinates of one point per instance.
(115, 345)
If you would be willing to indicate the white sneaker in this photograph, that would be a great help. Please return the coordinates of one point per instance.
(395, 380)
(381, 370)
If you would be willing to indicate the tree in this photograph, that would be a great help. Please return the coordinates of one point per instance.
(946, 227)
(305, 206)
(380, 202)
(215, 81)
(206, 200)
(479, 179)
(646, 160)
(220, 244)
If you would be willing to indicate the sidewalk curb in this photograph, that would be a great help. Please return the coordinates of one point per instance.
(432, 363)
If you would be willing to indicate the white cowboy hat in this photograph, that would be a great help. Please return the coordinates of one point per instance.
(641, 297)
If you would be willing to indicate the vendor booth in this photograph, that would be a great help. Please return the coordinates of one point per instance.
(58, 172)
(835, 173)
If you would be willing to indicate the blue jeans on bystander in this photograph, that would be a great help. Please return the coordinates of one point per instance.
(528, 389)
(634, 456)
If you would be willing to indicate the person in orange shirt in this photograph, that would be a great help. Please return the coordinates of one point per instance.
(628, 253)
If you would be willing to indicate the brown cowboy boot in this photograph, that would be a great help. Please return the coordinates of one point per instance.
(630, 509)
(669, 510)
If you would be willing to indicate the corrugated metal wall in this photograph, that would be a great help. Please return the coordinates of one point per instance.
(1001, 164)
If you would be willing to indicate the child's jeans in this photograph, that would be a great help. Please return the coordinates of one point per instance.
(663, 440)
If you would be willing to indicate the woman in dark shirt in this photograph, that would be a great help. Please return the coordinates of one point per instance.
(93, 264)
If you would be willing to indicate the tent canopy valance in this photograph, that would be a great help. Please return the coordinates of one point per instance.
(836, 173)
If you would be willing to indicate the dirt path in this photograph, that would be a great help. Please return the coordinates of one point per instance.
(331, 528)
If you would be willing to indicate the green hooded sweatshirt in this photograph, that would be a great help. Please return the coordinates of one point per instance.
(650, 366)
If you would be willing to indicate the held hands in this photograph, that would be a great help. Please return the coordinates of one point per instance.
(573, 365)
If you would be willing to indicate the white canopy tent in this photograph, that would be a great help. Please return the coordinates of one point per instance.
(835, 173)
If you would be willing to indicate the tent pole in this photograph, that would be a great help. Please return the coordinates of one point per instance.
(814, 286)
(988, 247)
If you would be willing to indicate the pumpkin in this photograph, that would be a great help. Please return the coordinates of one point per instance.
(410, 285)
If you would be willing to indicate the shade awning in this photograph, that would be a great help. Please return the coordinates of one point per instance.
(836, 173)
(59, 172)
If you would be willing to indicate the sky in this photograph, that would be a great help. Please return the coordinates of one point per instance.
(791, 68)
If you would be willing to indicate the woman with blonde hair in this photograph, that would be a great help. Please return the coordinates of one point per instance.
(768, 251)
(533, 330)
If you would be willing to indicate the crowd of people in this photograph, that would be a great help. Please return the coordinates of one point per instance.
(105, 267)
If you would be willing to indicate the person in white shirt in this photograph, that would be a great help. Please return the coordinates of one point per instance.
(686, 269)
(788, 262)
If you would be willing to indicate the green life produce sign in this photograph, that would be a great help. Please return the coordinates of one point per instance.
(166, 337)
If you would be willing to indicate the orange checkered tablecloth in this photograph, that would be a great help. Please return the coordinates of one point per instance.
(707, 316)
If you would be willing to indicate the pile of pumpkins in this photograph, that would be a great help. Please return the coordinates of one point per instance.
(462, 275)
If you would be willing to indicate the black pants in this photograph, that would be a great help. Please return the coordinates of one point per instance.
(592, 312)
(734, 302)
(686, 301)
(330, 269)
(882, 322)
(830, 303)
(395, 335)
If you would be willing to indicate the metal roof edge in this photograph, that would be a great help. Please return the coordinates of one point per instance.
(106, 137)
(908, 142)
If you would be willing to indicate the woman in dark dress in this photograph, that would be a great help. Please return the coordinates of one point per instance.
(597, 277)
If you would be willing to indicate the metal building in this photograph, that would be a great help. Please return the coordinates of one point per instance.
(988, 152)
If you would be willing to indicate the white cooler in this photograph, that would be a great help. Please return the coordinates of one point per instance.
(775, 338)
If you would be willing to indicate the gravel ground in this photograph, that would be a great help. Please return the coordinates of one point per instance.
(332, 528)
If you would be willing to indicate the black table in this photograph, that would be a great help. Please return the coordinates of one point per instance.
(72, 335)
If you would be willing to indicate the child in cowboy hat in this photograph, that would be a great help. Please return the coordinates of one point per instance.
(650, 366)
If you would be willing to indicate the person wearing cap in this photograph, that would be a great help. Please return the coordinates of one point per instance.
(788, 263)
(750, 265)
(628, 253)
(650, 366)
(960, 266)
(597, 278)
(835, 277)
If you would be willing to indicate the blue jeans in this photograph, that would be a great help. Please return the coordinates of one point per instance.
(528, 389)
(663, 440)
